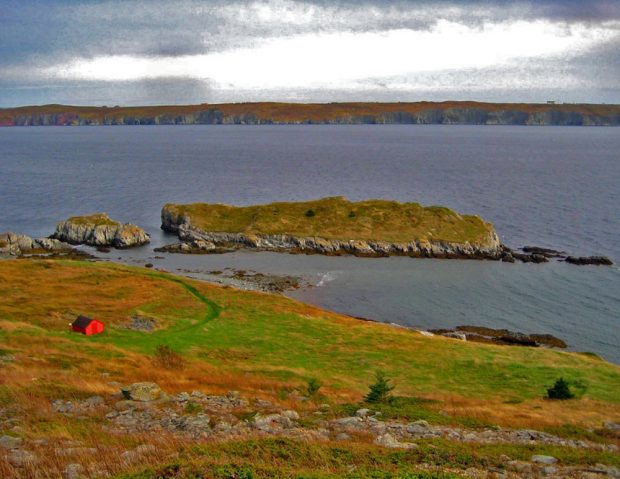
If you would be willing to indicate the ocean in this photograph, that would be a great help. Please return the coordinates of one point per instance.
(556, 187)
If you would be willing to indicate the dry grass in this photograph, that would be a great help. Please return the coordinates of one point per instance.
(262, 345)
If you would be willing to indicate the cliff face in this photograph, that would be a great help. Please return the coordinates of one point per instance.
(461, 113)
(195, 240)
(100, 230)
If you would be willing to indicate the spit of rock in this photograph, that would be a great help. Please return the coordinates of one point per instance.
(99, 230)
(12, 244)
(585, 260)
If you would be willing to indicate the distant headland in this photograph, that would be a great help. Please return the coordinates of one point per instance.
(449, 112)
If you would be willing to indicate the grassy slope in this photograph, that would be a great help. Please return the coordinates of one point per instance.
(338, 218)
(279, 343)
(266, 346)
(291, 112)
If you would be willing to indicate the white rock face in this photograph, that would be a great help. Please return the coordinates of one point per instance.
(100, 230)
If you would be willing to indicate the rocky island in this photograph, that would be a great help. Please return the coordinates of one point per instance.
(332, 226)
(100, 230)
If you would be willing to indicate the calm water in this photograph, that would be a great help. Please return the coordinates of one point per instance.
(549, 186)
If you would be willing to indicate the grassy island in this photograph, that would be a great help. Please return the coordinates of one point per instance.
(339, 219)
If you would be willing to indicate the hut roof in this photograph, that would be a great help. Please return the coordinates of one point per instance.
(82, 321)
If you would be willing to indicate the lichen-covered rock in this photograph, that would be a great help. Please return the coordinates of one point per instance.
(13, 244)
(99, 230)
(144, 392)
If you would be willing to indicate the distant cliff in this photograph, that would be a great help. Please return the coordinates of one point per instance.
(450, 113)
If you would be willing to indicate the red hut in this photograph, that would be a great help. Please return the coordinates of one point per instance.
(87, 326)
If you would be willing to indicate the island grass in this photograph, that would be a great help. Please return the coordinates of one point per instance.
(269, 344)
(338, 218)
(96, 219)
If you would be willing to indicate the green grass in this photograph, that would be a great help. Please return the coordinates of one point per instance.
(338, 218)
(287, 458)
(267, 336)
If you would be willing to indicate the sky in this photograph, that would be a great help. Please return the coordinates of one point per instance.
(148, 52)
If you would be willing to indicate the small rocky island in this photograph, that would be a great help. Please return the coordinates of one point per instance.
(13, 244)
(101, 231)
(332, 226)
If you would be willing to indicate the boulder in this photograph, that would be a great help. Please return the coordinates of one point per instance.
(21, 458)
(540, 459)
(10, 442)
(13, 244)
(144, 392)
(73, 471)
(100, 230)
(389, 441)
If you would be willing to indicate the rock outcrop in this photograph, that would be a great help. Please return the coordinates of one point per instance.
(12, 244)
(99, 230)
(195, 240)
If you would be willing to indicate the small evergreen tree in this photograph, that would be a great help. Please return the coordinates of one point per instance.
(560, 390)
(313, 387)
(380, 390)
(310, 213)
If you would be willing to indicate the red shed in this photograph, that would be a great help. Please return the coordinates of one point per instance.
(87, 326)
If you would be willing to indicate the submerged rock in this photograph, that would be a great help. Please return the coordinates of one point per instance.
(99, 230)
(587, 260)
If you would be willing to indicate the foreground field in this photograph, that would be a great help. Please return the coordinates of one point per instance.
(268, 347)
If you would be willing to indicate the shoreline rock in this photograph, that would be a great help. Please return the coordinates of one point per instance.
(481, 334)
(99, 230)
(13, 244)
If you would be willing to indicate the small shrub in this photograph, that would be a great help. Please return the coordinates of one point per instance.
(313, 387)
(560, 390)
(192, 408)
(167, 358)
(310, 213)
(380, 390)
(351, 214)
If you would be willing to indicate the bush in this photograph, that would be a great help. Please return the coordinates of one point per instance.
(310, 213)
(167, 358)
(560, 390)
(351, 214)
(380, 390)
(313, 387)
(192, 408)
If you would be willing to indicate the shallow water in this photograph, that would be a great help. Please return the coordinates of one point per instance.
(550, 186)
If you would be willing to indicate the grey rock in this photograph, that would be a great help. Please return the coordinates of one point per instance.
(144, 391)
(10, 442)
(22, 458)
(292, 415)
(343, 436)
(73, 471)
(388, 440)
(541, 459)
(362, 412)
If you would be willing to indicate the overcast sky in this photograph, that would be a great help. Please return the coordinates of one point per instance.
(165, 52)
